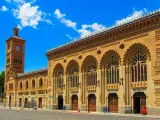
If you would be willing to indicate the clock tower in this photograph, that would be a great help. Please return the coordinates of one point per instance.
(15, 47)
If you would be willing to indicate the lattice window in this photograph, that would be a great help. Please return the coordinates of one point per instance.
(74, 77)
(112, 70)
(91, 73)
(59, 78)
(138, 66)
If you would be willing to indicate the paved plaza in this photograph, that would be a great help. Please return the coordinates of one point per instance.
(7, 114)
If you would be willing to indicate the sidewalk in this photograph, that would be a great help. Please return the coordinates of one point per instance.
(91, 113)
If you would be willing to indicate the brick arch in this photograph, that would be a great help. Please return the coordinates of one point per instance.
(70, 65)
(105, 56)
(57, 67)
(88, 59)
(132, 48)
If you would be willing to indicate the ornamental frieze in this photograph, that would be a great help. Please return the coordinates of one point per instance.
(136, 37)
(157, 35)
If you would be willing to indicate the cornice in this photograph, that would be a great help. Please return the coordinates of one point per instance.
(144, 24)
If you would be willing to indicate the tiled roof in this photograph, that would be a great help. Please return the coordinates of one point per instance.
(31, 73)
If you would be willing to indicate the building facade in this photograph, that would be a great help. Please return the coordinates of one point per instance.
(118, 68)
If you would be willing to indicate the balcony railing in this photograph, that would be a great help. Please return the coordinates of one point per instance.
(140, 84)
(112, 86)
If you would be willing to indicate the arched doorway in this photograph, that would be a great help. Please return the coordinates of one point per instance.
(20, 102)
(10, 101)
(92, 102)
(74, 102)
(40, 102)
(139, 102)
(113, 102)
(60, 102)
(26, 103)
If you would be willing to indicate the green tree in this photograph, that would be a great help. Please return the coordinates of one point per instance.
(2, 75)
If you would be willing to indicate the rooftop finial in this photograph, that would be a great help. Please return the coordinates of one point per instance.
(15, 30)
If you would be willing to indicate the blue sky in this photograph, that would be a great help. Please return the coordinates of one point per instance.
(46, 24)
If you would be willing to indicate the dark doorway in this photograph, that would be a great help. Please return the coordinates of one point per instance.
(20, 102)
(26, 103)
(10, 101)
(60, 102)
(74, 102)
(113, 102)
(139, 101)
(40, 102)
(92, 102)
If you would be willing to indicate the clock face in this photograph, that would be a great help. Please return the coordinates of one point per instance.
(17, 48)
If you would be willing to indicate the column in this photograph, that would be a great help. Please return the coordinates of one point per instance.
(98, 92)
(80, 91)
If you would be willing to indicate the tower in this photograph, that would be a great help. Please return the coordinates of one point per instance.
(15, 47)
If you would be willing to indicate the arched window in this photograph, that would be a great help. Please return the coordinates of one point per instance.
(26, 84)
(59, 78)
(112, 69)
(20, 85)
(40, 82)
(91, 73)
(33, 83)
(74, 78)
(138, 66)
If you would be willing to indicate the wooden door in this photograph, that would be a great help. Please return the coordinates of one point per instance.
(92, 103)
(74, 103)
(142, 103)
(40, 102)
(113, 104)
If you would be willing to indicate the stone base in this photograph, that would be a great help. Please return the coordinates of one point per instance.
(125, 109)
(153, 111)
(68, 107)
(83, 108)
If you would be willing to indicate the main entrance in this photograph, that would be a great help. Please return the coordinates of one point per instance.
(139, 102)
(113, 102)
(40, 102)
(20, 102)
(92, 102)
(74, 102)
(60, 102)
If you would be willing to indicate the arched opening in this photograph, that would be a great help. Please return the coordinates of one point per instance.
(110, 66)
(20, 85)
(73, 73)
(26, 84)
(113, 102)
(10, 101)
(92, 102)
(74, 102)
(59, 76)
(33, 84)
(60, 102)
(139, 102)
(26, 103)
(89, 69)
(20, 102)
(40, 102)
(40, 83)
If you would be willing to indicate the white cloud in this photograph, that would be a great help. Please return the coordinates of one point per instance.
(69, 23)
(58, 14)
(69, 36)
(48, 21)
(28, 15)
(135, 14)
(87, 29)
(4, 8)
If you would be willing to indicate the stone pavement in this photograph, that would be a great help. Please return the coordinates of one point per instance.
(91, 113)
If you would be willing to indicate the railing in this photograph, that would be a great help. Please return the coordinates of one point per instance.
(112, 86)
(139, 84)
